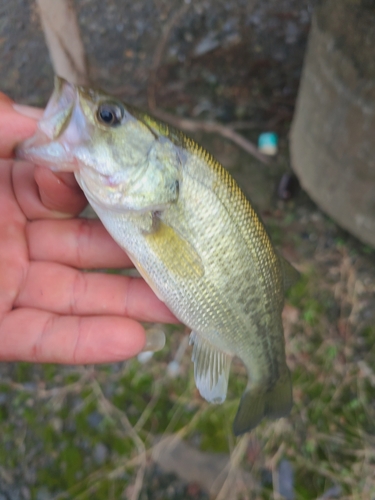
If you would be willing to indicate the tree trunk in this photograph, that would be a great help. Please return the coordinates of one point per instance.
(333, 132)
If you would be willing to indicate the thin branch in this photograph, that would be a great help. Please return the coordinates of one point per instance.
(184, 123)
(110, 409)
(193, 125)
(159, 51)
(233, 468)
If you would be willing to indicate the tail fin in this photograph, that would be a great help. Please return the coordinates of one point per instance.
(257, 403)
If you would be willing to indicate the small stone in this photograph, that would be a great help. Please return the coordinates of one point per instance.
(286, 480)
(100, 453)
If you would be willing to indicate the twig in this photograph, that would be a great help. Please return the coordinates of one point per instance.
(109, 408)
(55, 392)
(159, 51)
(233, 469)
(241, 125)
(275, 473)
(213, 127)
(150, 406)
(184, 123)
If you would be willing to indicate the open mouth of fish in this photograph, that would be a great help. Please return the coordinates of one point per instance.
(56, 156)
(58, 137)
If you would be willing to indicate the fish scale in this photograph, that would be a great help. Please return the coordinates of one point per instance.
(189, 230)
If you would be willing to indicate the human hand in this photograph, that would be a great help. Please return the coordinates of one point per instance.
(50, 310)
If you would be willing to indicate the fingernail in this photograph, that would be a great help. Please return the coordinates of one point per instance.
(144, 357)
(155, 339)
(29, 111)
(67, 178)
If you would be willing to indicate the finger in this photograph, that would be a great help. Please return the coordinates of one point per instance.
(63, 290)
(38, 336)
(13, 248)
(14, 127)
(59, 191)
(24, 175)
(9, 209)
(82, 243)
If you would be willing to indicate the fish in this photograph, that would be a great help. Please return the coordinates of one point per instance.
(189, 230)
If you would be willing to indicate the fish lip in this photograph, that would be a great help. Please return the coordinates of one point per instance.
(31, 151)
(39, 149)
(44, 147)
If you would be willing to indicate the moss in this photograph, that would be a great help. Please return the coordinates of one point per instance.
(214, 427)
(331, 424)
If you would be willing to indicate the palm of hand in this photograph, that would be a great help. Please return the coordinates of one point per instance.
(50, 310)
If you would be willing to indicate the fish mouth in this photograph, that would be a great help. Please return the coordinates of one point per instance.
(46, 146)
(61, 132)
(56, 156)
(62, 139)
(40, 150)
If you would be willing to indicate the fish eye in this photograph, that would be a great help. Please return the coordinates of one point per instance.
(110, 114)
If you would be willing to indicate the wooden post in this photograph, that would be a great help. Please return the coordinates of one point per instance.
(333, 131)
(63, 39)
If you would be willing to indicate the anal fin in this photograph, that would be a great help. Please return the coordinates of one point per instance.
(211, 369)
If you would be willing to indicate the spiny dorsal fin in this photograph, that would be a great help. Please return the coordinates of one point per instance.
(211, 369)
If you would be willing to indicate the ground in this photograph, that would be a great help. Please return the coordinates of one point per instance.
(92, 432)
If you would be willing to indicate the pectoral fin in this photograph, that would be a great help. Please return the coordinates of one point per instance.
(177, 253)
(211, 369)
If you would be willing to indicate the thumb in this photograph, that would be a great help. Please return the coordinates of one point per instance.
(14, 125)
(59, 192)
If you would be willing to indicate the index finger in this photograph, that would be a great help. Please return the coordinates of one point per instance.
(28, 334)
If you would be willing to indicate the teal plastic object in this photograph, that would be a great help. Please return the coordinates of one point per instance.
(268, 142)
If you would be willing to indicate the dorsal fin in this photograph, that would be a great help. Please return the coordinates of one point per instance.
(290, 275)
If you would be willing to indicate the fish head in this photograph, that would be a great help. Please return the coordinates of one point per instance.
(120, 161)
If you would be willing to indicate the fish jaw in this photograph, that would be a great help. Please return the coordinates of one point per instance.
(48, 147)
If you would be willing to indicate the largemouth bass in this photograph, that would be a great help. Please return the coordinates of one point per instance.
(190, 232)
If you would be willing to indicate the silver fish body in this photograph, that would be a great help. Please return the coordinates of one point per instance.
(190, 232)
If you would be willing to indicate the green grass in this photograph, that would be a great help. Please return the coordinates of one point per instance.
(86, 432)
